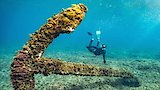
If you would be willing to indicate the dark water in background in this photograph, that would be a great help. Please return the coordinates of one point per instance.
(125, 24)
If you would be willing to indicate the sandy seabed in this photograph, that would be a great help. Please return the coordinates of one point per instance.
(147, 70)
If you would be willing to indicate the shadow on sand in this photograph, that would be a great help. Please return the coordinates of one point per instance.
(118, 83)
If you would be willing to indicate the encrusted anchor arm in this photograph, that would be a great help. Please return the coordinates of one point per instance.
(64, 22)
(54, 66)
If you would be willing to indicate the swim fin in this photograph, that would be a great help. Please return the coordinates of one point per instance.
(89, 33)
(98, 33)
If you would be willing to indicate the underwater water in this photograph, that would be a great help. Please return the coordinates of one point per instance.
(129, 28)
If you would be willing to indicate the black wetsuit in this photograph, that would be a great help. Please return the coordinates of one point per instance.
(97, 50)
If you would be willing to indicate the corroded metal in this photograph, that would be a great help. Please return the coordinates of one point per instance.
(29, 61)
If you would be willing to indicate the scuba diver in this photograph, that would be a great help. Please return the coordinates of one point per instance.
(96, 50)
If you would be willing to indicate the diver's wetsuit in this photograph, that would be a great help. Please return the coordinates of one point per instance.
(97, 50)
